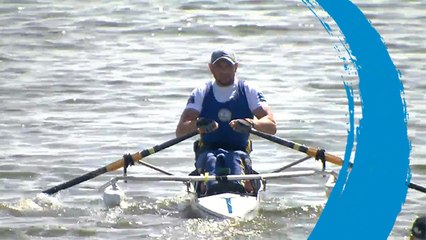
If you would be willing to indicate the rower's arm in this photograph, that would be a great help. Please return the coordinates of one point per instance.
(187, 122)
(264, 120)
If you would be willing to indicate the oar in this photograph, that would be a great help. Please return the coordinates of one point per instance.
(298, 147)
(417, 187)
(313, 153)
(118, 164)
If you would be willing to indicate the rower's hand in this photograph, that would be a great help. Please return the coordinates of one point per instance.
(242, 125)
(205, 125)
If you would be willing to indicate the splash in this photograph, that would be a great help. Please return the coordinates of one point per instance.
(37, 206)
(365, 203)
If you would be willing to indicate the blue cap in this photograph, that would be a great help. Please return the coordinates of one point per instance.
(223, 54)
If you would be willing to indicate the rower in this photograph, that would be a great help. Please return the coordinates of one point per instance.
(224, 110)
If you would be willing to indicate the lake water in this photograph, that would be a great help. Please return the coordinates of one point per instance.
(82, 83)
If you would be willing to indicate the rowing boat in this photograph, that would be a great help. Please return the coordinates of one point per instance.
(224, 201)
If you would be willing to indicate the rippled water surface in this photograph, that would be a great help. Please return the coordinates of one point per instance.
(81, 83)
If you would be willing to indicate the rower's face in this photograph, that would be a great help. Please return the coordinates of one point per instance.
(224, 72)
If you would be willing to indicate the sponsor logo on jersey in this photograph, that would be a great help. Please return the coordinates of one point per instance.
(261, 97)
(224, 115)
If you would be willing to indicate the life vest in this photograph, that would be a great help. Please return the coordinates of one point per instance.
(235, 108)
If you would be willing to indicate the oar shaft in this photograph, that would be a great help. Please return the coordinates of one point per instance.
(417, 187)
(118, 164)
(76, 181)
(157, 148)
(298, 147)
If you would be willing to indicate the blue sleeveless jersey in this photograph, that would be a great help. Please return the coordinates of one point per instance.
(235, 108)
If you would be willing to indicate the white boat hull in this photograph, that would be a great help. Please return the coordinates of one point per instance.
(226, 205)
(223, 204)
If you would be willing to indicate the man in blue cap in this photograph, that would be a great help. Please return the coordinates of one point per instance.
(224, 110)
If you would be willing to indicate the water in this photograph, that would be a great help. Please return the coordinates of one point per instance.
(82, 83)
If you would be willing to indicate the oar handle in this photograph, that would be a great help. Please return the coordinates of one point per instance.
(298, 147)
(118, 164)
